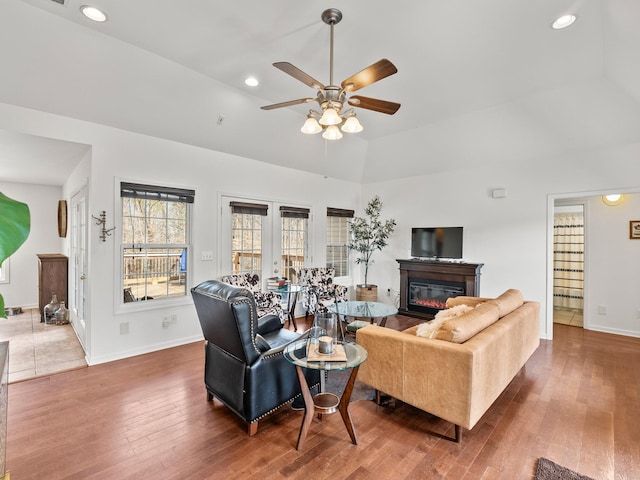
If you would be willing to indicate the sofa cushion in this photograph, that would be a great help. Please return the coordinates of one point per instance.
(508, 301)
(429, 329)
(465, 300)
(462, 328)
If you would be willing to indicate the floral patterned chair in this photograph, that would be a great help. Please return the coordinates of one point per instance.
(266, 302)
(320, 291)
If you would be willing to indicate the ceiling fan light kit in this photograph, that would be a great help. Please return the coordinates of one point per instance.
(351, 124)
(311, 125)
(332, 98)
(332, 132)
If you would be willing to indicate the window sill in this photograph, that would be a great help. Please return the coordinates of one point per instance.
(146, 305)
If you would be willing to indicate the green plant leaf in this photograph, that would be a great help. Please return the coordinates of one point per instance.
(369, 234)
(15, 224)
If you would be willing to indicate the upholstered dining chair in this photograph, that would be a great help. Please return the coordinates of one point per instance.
(244, 363)
(267, 302)
(320, 292)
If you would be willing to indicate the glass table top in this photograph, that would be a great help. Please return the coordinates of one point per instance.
(363, 309)
(288, 288)
(296, 353)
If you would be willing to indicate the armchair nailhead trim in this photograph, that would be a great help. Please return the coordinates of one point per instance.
(279, 406)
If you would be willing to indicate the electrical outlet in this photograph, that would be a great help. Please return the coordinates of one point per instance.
(638, 314)
(602, 309)
(124, 328)
(173, 319)
(165, 322)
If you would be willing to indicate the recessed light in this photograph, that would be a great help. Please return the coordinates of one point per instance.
(613, 199)
(93, 13)
(563, 22)
(251, 81)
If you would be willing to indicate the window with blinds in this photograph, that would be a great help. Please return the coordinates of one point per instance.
(337, 236)
(155, 241)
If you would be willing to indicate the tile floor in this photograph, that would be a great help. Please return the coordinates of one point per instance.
(36, 349)
(567, 316)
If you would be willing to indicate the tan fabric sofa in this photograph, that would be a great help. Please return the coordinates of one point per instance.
(457, 382)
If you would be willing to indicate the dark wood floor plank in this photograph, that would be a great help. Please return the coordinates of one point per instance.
(576, 402)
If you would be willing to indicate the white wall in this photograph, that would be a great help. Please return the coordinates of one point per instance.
(611, 264)
(509, 235)
(117, 154)
(22, 291)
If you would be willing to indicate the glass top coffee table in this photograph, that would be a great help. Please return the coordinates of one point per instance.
(325, 403)
(370, 310)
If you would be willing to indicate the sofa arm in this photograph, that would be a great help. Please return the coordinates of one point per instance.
(384, 367)
(433, 375)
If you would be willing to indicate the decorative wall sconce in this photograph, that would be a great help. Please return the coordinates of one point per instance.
(62, 218)
(613, 199)
(102, 220)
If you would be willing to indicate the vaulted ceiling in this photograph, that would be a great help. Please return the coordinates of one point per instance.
(480, 82)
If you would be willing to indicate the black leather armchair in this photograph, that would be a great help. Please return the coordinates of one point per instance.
(244, 363)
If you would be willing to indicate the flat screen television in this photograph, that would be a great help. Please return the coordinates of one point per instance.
(442, 242)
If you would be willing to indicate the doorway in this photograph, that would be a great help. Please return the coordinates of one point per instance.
(568, 264)
(78, 259)
(264, 237)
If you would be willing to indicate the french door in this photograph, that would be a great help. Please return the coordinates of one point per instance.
(79, 261)
(263, 237)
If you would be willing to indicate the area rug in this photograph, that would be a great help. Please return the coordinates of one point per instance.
(548, 470)
(336, 381)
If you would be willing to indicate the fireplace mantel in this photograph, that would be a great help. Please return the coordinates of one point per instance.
(442, 272)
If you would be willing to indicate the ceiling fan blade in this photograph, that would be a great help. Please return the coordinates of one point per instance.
(374, 104)
(298, 74)
(377, 71)
(287, 104)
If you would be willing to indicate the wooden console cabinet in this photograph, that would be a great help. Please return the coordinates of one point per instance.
(52, 277)
(465, 276)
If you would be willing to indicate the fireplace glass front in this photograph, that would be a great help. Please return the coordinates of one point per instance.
(430, 296)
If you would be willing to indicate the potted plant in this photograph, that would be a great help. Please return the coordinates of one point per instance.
(15, 223)
(368, 235)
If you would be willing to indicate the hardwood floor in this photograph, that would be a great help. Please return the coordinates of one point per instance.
(576, 402)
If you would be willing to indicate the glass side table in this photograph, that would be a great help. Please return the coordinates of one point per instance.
(358, 309)
(325, 403)
(290, 294)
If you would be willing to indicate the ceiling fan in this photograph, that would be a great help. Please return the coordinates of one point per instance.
(332, 98)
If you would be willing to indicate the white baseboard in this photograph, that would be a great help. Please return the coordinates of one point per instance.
(141, 351)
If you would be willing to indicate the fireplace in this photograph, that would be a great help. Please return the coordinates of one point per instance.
(430, 296)
(425, 285)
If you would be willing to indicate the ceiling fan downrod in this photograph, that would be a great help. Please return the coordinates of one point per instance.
(331, 17)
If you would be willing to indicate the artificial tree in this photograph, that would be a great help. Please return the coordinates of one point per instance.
(370, 234)
(15, 224)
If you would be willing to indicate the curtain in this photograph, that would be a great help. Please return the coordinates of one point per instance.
(568, 260)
